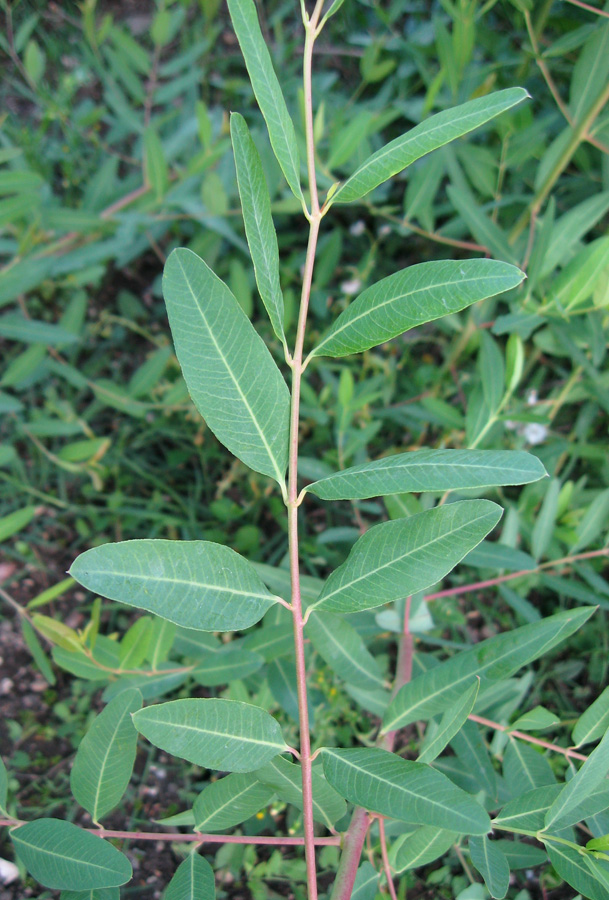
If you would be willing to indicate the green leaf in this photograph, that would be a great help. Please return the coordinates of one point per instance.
(230, 374)
(259, 227)
(271, 641)
(104, 761)
(3, 787)
(342, 648)
(365, 886)
(524, 768)
(575, 868)
(434, 132)
(155, 164)
(227, 664)
(543, 529)
(193, 880)
(16, 521)
(62, 856)
(398, 558)
(400, 789)
(219, 734)
(537, 719)
(452, 721)
(472, 752)
(412, 297)
(491, 660)
(16, 327)
(583, 783)
(492, 865)
(527, 812)
(594, 722)
(267, 90)
(492, 371)
(520, 855)
(197, 584)
(230, 801)
(590, 73)
(421, 847)
(430, 470)
(483, 228)
(286, 779)
(593, 521)
(38, 654)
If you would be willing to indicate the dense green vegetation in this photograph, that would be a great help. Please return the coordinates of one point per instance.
(115, 149)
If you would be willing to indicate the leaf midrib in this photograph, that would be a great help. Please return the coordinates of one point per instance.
(278, 472)
(398, 559)
(394, 299)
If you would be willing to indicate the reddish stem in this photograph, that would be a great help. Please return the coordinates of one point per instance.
(491, 582)
(566, 751)
(385, 858)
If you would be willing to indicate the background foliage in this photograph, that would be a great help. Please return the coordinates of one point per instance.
(114, 148)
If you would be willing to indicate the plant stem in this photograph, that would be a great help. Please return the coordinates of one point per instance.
(177, 837)
(293, 501)
(356, 833)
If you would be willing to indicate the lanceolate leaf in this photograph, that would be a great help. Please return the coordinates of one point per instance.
(267, 90)
(421, 847)
(63, 857)
(193, 880)
(387, 784)
(430, 470)
(218, 734)
(578, 871)
(196, 584)
(104, 761)
(593, 723)
(492, 865)
(259, 227)
(342, 648)
(527, 812)
(230, 374)
(398, 558)
(412, 297)
(227, 664)
(286, 779)
(494, 659)
(583, 783)
(434, 132)
(452, 721)
(230, 801)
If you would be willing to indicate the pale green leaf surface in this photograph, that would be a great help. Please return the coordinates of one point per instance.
(104, 760)
(219, 734)
(231, 375)
(593, 722)
(227, 664)
(492, 865)
(524, 768)
(230, 801)
(286, 779)
(575, 870)
(271, 641)
(398, 558)
(15, 327)
(342, 648)
(596, 802)
(366, 883)
(267, 90)
(414, 296)
(472, 752)
(400, 789)
(451, 722)
(537, 719)
(421, 847)
(62, 856)
(259, 227)
(434, 132)
(430, 470)
(494, 659)
(527, 812)
(193, 880)
(196, 584)
(591, 774)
